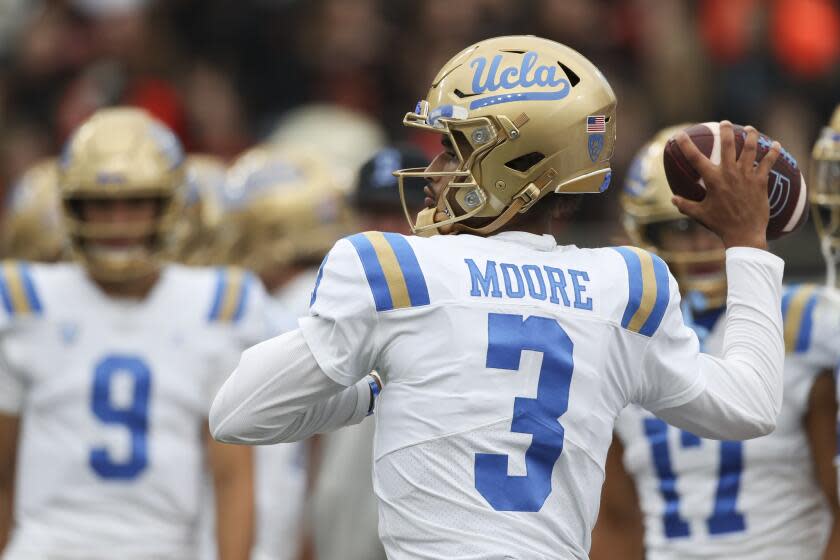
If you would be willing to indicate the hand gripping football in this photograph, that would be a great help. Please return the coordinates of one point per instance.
(785, 185)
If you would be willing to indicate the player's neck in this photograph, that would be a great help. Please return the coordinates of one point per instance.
(541, 226)
(137, 288)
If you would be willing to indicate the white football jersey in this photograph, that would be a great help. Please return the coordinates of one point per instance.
(280, 475)
(741, 500)
(113, 396)
(505, 361)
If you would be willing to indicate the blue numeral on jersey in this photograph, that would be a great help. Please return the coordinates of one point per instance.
(508, 336)
(724, 519)
(135, 416)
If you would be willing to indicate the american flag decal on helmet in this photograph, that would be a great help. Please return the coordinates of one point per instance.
(595, 124)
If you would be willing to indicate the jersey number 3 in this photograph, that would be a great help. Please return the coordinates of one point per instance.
(133, 415)
(508, 336)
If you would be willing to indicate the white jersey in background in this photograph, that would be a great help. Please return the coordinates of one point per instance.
(506, 361)
(280, 477)
(113, 395)
(750, 500)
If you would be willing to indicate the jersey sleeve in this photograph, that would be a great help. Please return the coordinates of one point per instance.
(350, 289)
(668, 374)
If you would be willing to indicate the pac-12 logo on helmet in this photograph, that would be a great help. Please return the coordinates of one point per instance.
(526, 117)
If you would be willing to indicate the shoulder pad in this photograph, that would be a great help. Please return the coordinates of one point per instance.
(392, 270)
(230, 295)
(648, 290)
(17, 289)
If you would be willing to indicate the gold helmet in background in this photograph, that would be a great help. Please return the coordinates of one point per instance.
(825, 194)
(32, 228)
(284, 208)
(122, 154)
(648, 210)
(526, 117)
(344, 137)
(195, 233)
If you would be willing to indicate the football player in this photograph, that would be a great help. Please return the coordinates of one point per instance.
(770, 497)
(195, 242)
(109, 365)
(825, 206)
(506, 357)
(284, 212)
(31, 223)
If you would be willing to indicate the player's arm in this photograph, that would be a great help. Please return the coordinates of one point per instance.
(9, 427)
(233, 483)
(279, 394)
(618, 532)
(311, 380)
(739, 395)
(821, 427)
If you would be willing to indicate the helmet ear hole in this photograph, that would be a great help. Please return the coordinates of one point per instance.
(525, 162)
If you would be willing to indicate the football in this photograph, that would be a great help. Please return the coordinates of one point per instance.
(785, 186)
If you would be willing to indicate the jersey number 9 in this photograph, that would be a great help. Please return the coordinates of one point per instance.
(134, 416)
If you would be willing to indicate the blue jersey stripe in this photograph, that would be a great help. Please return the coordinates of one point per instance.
(803, 339)
(373, 271)
(660, 270)
(221, 286)
(634, 274)
(418, 292)
(244, 290)
(786, 297)
(318, 281)
(29, 288)
(5, 295)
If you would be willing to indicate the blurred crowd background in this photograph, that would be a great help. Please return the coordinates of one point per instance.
(223, 74)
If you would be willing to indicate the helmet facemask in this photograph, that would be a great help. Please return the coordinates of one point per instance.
(701, 273)
(122, 262)
(462, 198)
(825, 205)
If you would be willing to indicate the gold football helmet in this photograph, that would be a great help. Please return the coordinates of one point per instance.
(648, 211)
(204, 205)
(122, 153)
(526, 117)
(283, 208)
(825, 194)
(32, 228)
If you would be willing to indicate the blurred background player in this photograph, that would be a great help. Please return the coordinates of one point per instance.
(31, 222)
(285, 210)
(825, 209)
(344, 511)
(104, 389)
(771, 497)
(204, 207)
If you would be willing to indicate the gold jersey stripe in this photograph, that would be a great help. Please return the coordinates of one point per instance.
(648, 291)
(14, 281)
(233, 287)
(795, 313)
(394, 276)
